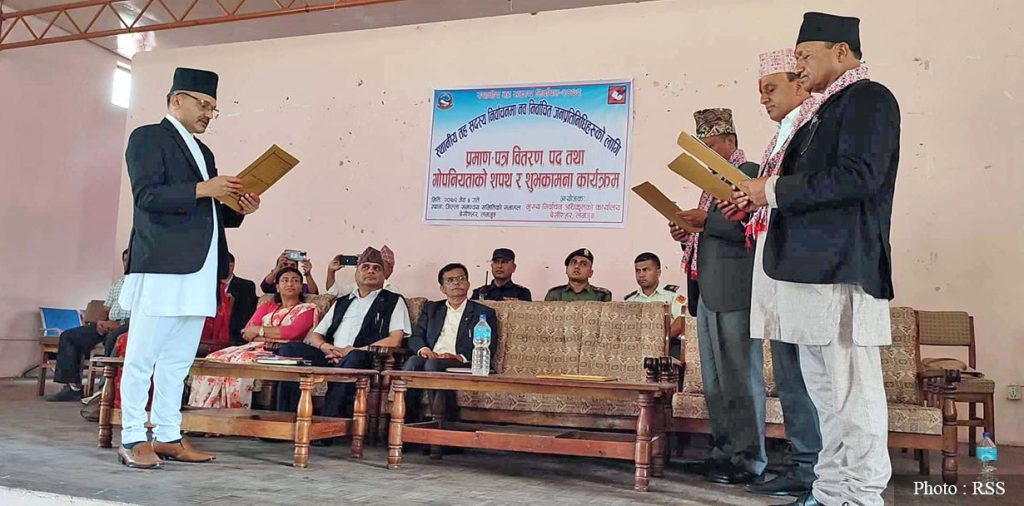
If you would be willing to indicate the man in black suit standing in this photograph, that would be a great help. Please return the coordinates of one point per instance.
(243, 291)
(719, 268)
(442, 336)
(827, 245)
(177, 255)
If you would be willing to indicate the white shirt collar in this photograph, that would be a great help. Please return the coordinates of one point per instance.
(181, 128)
(457, 309)
(355, 294)
(790, 119)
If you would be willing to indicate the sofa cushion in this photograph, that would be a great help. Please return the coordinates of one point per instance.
(621, 336)
(692, 380)
(560, 404)
(694, 407)
(914, 419)
(904, 418)
(542, 338)
(900, 359)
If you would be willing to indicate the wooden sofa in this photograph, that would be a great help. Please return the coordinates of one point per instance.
(922, 415)
(591, 338)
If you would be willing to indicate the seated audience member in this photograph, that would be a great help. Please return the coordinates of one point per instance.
(579, 268)
(285, 319)
(216, 333)
(370, 316)
(75, 343)
(342, 289)
(503, 265)
(243, 293)
(443, 337)
(648, 277)
(309, 284)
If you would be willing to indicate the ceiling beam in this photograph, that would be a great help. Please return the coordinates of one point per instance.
(128, 22)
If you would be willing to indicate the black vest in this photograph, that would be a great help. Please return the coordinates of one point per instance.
(375, 324)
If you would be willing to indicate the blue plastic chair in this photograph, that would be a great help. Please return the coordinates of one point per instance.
(55, 320)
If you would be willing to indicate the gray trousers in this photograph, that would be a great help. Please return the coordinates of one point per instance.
(732, 369)
(800, 415)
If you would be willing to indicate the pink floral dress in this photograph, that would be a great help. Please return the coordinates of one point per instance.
(219, 392)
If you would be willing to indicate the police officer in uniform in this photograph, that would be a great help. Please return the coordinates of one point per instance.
(503, 265)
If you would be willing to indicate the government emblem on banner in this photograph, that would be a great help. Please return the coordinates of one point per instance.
(616, 95)
(445, 101)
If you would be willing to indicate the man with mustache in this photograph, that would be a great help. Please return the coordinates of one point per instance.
(790, 105)
(176, 255)
(827, 246)
(503, 266)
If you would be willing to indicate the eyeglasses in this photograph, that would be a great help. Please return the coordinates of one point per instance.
(206, 106)
(455, 280)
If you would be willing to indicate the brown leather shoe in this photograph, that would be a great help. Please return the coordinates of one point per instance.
(181, 451)
(141, 456)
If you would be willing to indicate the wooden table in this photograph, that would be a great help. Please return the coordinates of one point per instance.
(646, 448)
(300, 427)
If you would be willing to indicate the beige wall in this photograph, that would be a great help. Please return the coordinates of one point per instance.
(60, 158)
(353, 107)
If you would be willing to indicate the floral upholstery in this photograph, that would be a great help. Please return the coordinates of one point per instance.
(900, 359)
(913, 419)
(626, 333)
(905, 418)
(415, 306)
(600, 338)
(692, 381)
(547, 404)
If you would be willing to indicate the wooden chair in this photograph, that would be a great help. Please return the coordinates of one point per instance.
(956, 328)
(55, 321)
(94, 312)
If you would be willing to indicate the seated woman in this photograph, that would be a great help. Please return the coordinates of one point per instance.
(285, 319)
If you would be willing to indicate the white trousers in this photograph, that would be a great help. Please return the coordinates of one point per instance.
(161, 348)
(845, 384)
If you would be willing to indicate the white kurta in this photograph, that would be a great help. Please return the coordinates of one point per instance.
(192, 294)
(804, 313)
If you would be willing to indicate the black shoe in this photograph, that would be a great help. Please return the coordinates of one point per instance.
(780, 486)
(701, 467)
(805, 500)
(730, 475)
(65, 394)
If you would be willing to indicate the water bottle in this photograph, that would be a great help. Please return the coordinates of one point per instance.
(482, 347)
(987, 454)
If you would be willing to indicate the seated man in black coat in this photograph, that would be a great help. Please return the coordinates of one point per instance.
(443, 336)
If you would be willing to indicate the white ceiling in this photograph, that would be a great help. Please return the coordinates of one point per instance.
(403, 12)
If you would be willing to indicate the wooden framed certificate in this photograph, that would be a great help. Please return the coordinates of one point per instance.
(261, 174)
(656, 199)
(711, 159)
(694, 172)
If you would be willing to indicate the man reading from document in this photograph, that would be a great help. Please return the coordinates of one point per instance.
(177, 254)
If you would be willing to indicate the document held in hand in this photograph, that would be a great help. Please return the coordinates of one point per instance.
(261, 174)
(653, 196)
(694, 172)
(711, 159)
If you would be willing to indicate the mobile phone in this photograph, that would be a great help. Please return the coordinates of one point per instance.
(348, 259)
(295, 255)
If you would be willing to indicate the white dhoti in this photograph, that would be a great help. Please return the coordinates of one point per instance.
(168, 314)
(838, 329)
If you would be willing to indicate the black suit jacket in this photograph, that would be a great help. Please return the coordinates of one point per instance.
(835, 194)
(244, 293)
(427, 329)
(171, 229)
(724, 264)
